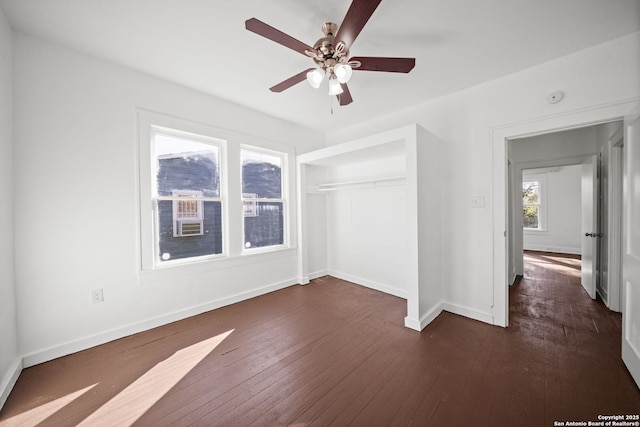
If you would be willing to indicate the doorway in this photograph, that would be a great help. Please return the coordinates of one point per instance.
(547, 204)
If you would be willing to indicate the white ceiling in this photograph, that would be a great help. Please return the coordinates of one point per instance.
(203, 44)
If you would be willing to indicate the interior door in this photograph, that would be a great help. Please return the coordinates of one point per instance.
(589, 225)
(631, 248)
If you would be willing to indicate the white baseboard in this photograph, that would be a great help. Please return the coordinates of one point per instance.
(84, 343)
(468, 312)
(317, 274)
(303, 280)
(604, 295)
(411, 323)
(631, 358)
(117, 333)
(513, 279)
(420, 324)
(9, 380)
(369, 283)
(555, 249)
(430, 316)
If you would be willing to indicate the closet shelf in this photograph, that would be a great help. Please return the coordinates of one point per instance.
(368, 183)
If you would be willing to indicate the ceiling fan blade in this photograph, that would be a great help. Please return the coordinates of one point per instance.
(390, 65)
(357, 16)
(267, 31)
(345, 97)
(290, 81)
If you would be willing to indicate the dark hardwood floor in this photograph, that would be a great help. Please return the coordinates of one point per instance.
(335, 353)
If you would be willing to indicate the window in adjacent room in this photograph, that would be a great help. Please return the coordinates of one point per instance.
(532, 208)
(263, 197)
(187, 196)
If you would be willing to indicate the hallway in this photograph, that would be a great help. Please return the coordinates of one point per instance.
(573, 342)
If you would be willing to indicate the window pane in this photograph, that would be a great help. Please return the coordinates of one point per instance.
(531, 204)
(186, 165)
(185, 238)
(531, 192)
(266, 228)
(187, 171)
(531, 217)
(261, 175)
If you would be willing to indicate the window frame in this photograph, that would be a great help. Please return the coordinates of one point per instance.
(541, 179)
(284, 199)
(151, 125)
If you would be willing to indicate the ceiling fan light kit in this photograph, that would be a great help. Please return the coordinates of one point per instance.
(343, 72)
(315, 77)
(331, 52)
(334, 87)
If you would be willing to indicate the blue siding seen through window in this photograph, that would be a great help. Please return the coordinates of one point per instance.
(187, 168)
(264, 217)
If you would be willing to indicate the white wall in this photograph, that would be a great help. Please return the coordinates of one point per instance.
(368, 226)
(466, 122)
(9, 357)
(563, 205)
(554, 146)
(77, 192)
(317, 252)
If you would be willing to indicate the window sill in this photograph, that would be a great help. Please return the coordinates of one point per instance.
(213, 264)
(535, 230)
(263, 250)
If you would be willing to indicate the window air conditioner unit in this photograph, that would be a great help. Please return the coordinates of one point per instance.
(188, 228)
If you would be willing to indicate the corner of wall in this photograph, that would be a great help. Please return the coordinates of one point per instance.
(9, 380)
(10, 360)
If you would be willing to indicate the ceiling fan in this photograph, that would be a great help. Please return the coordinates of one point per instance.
(331, 52)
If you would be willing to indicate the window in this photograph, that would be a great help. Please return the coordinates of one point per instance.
(532, 212)
(263, 198)
(187, 196)
(189, 220)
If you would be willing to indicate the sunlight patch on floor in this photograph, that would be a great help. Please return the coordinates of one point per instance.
(568, 267)
(40, 413)
(132, 402)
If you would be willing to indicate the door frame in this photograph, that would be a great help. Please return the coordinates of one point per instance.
(614, 210)
(499, 137)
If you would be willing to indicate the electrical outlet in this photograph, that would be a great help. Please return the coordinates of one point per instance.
(97, 296)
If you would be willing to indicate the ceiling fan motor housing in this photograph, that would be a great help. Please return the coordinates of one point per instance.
(328, 52)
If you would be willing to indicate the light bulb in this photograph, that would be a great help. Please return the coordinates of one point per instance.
(343, 72)
(315, 77)
(334, 87)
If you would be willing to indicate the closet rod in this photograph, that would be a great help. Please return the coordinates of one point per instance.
(369, 182)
